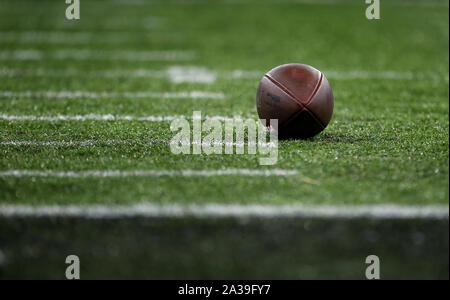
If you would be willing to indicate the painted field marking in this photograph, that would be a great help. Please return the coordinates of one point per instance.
(198, 74)
(147, 173)
(90, 143)
(379, 211)
(84, 54)
(225, 2)
(178, 74)
(275, 2)
(96, 117)
(386, 74)
(96, 95)
(85, 37)
(84, 143)
(21, 55)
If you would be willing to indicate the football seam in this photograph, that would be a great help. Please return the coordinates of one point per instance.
(316, 89)
(290, 94)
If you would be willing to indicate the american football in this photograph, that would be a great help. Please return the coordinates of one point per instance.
(299, 97)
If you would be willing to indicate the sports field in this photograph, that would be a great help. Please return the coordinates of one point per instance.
(86, 166)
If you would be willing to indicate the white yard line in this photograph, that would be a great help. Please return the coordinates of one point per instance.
(125, 95)
(47, 36)
(180, 74)
(275, 2)
(176, 74)
(84, 143)
(243, 74)
(21, 55)
(198, 74)
(230, 210)
(95, 117)
(172, 55)
(90, 143)
(147, 173)
(83, 54)
(386, 74)
(225, 2)
(84, 37)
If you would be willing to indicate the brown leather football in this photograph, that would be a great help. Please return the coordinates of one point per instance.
(299, 96)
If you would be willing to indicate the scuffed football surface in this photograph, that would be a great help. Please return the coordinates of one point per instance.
(299, 96)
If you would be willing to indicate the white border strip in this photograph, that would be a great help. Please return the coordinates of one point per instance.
(147, 173)
(229, 210)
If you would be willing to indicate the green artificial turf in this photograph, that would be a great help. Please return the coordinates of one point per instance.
(387, 141)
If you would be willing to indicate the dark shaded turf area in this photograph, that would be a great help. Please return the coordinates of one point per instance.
(225, 248)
